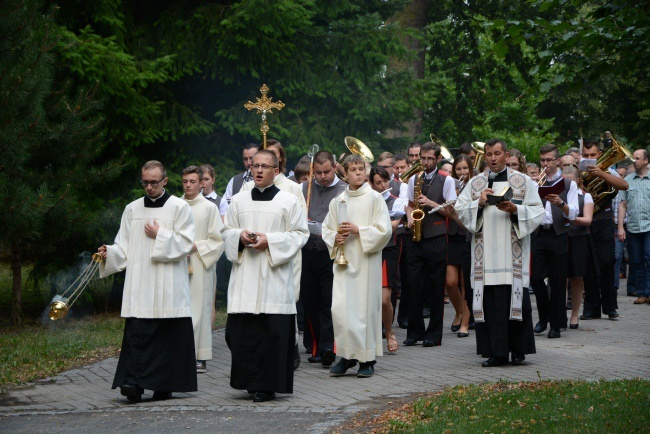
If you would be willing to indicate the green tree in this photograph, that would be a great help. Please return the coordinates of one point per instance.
(50, 136)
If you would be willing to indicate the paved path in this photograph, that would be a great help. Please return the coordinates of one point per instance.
(81, 399)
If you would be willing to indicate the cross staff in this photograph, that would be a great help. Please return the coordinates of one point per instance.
(264, 106)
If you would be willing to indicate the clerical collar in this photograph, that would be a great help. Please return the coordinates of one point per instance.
(336, 181)
(264, 194)
(502, 176)
(211, 195)
(157, 202)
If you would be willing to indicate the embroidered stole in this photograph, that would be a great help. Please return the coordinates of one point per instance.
(518, 184)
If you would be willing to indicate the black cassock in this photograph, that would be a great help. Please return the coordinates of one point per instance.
(262, 348)
(158, 354)
(498, 335)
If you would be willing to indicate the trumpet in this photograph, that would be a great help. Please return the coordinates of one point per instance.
(542, 177)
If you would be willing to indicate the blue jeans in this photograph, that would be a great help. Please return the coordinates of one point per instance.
(638, 247)
(618, 255)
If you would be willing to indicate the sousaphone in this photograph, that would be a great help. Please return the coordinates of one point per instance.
(356, 146)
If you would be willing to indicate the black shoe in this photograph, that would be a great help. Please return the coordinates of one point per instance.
(455, 328)
(410, 342)
(426, 312)
(472, 325)
(263, 396)
(314, 359)
(495, 361)
(161, 396)
(632, 294)
(403, 325)
(569, 305)
(342, 367)
(573, 326)
(462, 335)
(430, 343)
(553, 333)
(588, 316)
(296, 359)
(540, 327)
(612, 314)
(518, 358)
(132, 393)
(327, 358)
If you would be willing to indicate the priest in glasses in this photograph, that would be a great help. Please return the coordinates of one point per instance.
(156, 235)
(265, 229)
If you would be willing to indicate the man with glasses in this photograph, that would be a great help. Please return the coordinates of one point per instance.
(427, 259)
(156, 235)
(550, 246)
(236, 182)
(414, 152)
(265, 229)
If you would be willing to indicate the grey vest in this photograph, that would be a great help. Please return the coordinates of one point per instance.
(237, 182)
(434, 224)
(560, 223)
(453, 228)
(389, 203)
(394, 187)
(319, 206)
(216, 201)
(575, 230)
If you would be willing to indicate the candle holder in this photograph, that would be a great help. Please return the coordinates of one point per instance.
(343, 216)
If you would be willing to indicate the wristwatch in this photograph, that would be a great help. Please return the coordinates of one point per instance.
(561, 205)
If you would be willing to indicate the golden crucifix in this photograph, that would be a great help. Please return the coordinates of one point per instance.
(264, 106)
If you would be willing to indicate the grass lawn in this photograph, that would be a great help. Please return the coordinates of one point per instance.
(34, 351)
(541, 407)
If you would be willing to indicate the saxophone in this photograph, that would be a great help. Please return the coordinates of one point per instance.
(417, 214)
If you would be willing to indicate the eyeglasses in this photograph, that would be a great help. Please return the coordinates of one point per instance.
(428, 158)
(414, 155)
(547, 160)
(153, 184)
(263, 166)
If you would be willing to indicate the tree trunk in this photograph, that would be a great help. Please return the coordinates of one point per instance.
(414, 16)
(16, 289)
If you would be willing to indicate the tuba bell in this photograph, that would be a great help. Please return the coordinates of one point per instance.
(479, 149)
(357, 147)
(598, 187)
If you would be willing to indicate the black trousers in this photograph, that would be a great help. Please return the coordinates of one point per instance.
(599, 291)
(427, 268)
(499, 335)
(550, 259)
(316, 283)
(402, 243)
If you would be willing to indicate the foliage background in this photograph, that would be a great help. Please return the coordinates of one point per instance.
(167, 80)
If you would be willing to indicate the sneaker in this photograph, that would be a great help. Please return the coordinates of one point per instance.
(200, 367)
(342, 367)
(366, 370)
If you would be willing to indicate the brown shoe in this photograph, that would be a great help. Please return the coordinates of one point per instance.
(641, 300)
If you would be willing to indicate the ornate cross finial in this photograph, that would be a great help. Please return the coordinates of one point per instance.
(263, 106)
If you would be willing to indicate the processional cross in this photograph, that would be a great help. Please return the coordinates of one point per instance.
(263, 106)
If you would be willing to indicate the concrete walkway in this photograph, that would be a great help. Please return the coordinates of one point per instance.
(81, 399)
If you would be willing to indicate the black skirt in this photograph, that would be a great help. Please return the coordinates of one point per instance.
(262, 348)
(581, 256)
(457, 245)
(158, 354)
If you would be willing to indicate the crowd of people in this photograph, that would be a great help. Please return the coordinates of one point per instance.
(359, 248)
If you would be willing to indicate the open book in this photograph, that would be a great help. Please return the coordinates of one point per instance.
(505, 194)
(556, 188)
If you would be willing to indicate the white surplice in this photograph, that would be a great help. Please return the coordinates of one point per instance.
(203, 280)
(263, 282)
(493, 245)
(285, 184)
(356, 294)
(156, 283)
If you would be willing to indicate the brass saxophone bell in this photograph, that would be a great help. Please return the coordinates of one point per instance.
(58, 309)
